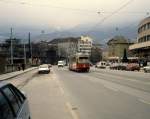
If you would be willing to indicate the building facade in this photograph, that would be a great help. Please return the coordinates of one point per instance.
(141, 48)
(116, 47)
(85, 44)
(71, 45)
(65, 46)
(96, 53)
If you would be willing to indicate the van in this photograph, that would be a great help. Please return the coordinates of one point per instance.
(60, 64)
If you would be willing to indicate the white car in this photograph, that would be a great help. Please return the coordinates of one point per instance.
(146, 69)
(44, 68)
(13, 103)
(101, 64)
(60, 64)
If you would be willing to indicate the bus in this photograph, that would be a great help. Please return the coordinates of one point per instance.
(79, 62)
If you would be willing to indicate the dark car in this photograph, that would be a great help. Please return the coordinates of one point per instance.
(13, 103)
(133, 67)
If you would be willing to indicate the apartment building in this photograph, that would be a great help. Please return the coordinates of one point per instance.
(71, 45)
(141, 48)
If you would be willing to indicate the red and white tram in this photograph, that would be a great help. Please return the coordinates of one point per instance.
(79, 62)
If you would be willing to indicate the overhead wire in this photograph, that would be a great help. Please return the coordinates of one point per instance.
(107, 17)
(110, 14)
(69, 8)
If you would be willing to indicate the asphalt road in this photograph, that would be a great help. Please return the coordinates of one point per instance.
(99, 94)
(106, 94)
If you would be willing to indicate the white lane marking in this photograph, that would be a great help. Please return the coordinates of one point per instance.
(144, 101)
(73, 113)
(59, 84)
(111, 88)
(67, 103)
(125, 89)
(121, 77)
(106, 85)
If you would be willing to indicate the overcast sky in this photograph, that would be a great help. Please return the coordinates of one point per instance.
(65, 14)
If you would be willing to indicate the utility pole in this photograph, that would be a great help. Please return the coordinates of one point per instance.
(30, 48)
(29, 45)
(11, 40)
(24, 53)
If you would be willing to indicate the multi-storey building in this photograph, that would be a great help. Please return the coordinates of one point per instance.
(141, 48)
(71, 45)
(65, 46)
(85, 44)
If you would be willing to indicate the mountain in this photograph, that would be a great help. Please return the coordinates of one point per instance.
(99, 34)
(53, 35)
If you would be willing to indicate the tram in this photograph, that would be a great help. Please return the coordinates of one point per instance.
(79, 62)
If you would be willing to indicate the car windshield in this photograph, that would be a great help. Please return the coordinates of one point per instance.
(60, 62)
(43, 66)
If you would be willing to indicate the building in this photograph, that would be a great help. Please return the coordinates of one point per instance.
(141, 48)
(85, 44)
(65, 46)
(7, 62)
(105, 53)
(71, 45)
(3, 57)
(116, 47)
(43, 52)
(96, 52)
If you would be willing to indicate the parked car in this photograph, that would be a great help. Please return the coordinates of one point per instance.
(61, 64)
(146, 69)
(133, 67)
(13, 103)
(44, 68)
(101, 64)
(118, 66)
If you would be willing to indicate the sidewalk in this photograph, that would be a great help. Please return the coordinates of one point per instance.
(14, 74)
(45, 97)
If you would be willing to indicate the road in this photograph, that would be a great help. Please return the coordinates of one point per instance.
(107, 94)
(99, 94)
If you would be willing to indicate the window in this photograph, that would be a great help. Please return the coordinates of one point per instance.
(5, 110)
(148, 38)
(144, 27)
(148, 25)
(12, 99)
(20, 96)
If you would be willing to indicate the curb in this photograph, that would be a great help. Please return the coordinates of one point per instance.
(17, 75)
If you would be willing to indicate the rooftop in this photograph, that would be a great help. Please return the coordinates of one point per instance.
(118, 40)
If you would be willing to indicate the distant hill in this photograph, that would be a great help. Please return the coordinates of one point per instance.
(101, 35)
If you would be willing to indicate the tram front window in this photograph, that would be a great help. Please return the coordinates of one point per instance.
(83, 60)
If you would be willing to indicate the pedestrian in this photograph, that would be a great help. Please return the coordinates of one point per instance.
(23, 66)
(19, 67)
